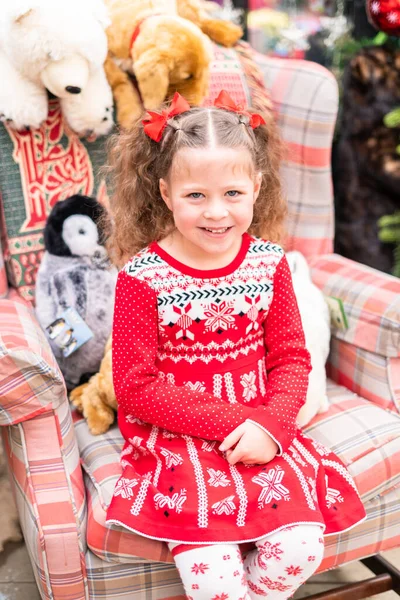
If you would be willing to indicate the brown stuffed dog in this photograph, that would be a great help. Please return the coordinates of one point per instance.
(96, 399)
(163, 50)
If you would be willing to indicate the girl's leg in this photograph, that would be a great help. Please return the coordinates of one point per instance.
(283, 561)
(211, 572)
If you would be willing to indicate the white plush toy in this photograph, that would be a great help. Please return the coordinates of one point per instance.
(60, 46)
(315, 318)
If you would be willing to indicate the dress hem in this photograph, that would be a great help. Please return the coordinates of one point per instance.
(208, 542)
(347, 528)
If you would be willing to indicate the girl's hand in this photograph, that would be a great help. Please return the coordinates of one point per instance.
(253, 445)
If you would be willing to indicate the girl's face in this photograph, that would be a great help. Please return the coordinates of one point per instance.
(211, 193)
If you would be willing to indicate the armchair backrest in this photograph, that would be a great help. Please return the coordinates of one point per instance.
(39, 168)
(305, 99)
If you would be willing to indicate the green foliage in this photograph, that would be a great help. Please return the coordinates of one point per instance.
(389, 233)
(392, 119)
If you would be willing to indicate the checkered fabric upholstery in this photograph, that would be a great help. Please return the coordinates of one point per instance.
(305, 100)
(30, 380)
(366, 356)
(371, 302)
(63, 477)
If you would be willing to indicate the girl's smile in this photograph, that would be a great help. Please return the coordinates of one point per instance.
(211, 193)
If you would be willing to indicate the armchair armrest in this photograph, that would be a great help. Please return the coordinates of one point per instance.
(30, 380)
(371, 302)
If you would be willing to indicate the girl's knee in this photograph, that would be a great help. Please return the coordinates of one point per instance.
(307, 547)
(300, 548)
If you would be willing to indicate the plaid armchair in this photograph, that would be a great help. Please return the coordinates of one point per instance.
(63, 477)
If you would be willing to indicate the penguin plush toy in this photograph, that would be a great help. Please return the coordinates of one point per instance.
(75, 287)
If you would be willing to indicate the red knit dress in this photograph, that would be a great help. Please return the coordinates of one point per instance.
(195, 354)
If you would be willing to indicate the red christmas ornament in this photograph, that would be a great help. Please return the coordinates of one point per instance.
(385, 15)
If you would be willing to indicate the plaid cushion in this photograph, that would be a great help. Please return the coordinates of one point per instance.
(30, 380)
(47, 478)
(371, 301)
(139, 581)
(366, 438)
(305, 100)
(369, 375)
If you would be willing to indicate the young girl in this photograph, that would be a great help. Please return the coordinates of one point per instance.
(209, 362)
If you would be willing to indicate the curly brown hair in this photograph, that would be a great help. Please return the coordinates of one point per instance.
(137, 163)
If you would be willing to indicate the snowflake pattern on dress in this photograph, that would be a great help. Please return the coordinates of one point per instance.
(136, 442)
(127, 450)
(184, 322)
(248, 381)
(208, 446)
(169, 435)
(218, 478)
(174, 502)
(197, 386)
(225, 506)
(273, 489)
(320, 448)
(124, 487)
(172, 459)
(297, 457)
(252, 313)
(313, 488)
(219, 316)
(332, 495)
(132, 419)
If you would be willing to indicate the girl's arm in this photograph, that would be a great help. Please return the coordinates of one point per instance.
(288, 363)
(139, 387)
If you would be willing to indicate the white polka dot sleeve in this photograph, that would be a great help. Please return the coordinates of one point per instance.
(288, 362)
(141, 391)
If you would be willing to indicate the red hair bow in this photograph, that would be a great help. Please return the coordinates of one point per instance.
(155, 123)
(227, 103)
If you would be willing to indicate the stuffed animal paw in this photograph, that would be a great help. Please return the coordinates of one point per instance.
(220, 31)
(23, 103)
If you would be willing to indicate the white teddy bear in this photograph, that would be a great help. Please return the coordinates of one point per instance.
(315, 318)
(60, 45)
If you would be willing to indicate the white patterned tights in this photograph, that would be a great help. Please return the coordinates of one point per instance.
(280, 563)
